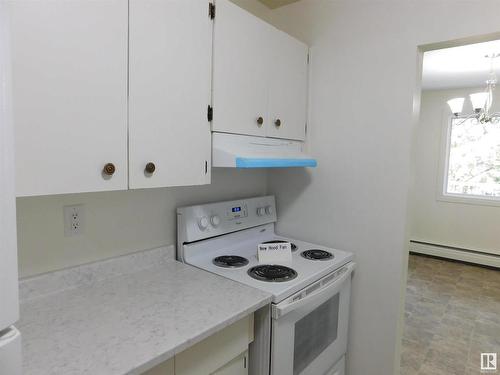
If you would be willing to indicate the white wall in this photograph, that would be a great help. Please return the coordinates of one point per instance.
(116, 222)
(364, 73)
(469, 226)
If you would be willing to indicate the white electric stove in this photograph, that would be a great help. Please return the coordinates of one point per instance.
(311, 293)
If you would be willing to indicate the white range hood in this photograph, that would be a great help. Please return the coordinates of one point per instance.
(243, 151)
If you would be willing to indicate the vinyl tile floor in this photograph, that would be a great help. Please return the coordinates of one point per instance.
(452, 316)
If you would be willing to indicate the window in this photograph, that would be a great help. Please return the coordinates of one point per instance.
(472, 168)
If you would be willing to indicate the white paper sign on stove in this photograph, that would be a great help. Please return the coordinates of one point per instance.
(274, 252)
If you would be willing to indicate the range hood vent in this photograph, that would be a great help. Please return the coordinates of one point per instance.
(243, 151)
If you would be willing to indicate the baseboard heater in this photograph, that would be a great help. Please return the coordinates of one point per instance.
(464, 255)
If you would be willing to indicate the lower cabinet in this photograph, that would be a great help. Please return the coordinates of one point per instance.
(224, 353)
(238, 366)
(165, 368)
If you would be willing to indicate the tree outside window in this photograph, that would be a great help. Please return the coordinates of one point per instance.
(473, 168)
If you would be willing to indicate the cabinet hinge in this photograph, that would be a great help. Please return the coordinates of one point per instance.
(306, 127)
(210, 113)
(211, 10)
(308, 57)
(206, 166)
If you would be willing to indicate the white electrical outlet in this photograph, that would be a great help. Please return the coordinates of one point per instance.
(74, 220)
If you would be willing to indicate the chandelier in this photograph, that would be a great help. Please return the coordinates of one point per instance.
(481, 101)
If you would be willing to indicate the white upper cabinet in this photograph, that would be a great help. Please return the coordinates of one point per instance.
(241, 71)
(259, 72)
(288, 88)
(69, 65)
(169, 92)
(113, 94)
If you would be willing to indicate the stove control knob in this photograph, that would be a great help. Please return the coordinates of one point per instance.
(269, 210)
(203, 222)
(215, 220)
(261, 211)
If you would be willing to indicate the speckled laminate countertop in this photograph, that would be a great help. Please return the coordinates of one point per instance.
(125, 323)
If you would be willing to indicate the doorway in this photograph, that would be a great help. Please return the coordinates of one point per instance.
(452, 310)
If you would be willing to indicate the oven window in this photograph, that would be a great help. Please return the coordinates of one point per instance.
(314, 333)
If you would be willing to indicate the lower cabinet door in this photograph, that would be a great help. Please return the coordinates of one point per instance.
(164, 368)
(217, 351)
(238, 366)
(223, 353)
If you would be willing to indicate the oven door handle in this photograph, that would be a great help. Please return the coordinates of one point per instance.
(325, 292)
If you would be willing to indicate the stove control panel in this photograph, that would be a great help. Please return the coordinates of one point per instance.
(214, 219)
(203, 223)
(237, 212)
(263, 211)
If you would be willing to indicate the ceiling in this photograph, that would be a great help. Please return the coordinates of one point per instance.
(459, 67)
(277, 3)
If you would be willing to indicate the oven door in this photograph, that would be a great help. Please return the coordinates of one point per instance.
(309, 329)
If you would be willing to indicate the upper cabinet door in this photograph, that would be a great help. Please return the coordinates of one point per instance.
(288, 88)
(241, 71)
(69, 95)
(170, 82)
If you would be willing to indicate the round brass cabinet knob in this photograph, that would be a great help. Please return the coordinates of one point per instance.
(109, 169)
(150, 168)
(260, 121)
(277, 122)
